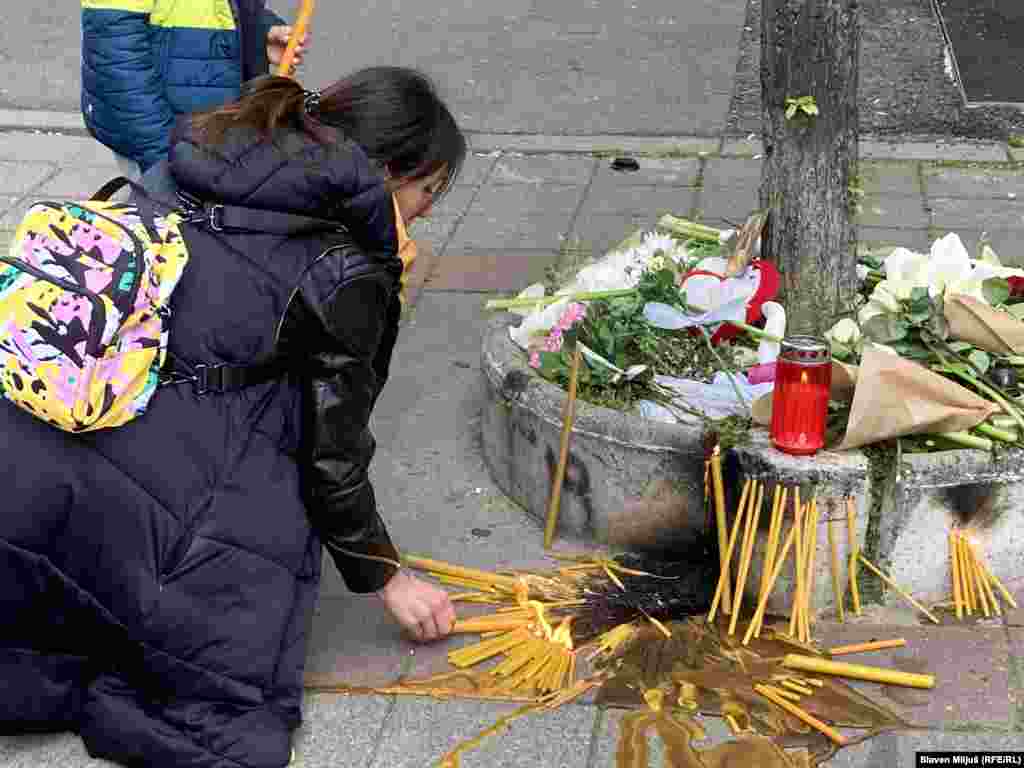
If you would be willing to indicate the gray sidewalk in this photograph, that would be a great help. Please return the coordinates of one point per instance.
(519, 206)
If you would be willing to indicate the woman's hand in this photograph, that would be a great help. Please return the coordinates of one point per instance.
(277, 41)
(423, 610)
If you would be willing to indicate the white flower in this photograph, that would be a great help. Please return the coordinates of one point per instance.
(657, 242)
(949, 263)
(844, 332)
(537, 324)
(887, 295)
(904, 264)
(862, 272)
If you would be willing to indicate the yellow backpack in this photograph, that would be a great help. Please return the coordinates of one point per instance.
(84, 305)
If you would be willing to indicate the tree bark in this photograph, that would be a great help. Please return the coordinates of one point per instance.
(811, 48)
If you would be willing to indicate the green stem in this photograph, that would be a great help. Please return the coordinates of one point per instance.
(986, 389)
(967, 440)
(543, 301)
(997, 434)
(729, 374)
(757, 333)
(688, 229)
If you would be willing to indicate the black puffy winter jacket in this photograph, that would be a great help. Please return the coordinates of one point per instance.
(158, 580)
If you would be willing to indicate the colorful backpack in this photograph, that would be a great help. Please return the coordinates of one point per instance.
(84, 308)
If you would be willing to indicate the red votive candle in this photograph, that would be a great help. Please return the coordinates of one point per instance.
(803, 377)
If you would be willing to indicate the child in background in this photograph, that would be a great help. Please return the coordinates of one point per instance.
(147, 61)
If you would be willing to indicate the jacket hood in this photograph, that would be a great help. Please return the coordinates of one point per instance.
(293, 174)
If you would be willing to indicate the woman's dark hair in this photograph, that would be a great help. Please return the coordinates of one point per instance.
(393, 113)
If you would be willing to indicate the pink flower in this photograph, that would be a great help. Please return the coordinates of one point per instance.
(554, 341)
(572, 315)
(535, 360)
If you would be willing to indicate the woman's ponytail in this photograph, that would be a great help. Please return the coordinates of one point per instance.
(267, 104)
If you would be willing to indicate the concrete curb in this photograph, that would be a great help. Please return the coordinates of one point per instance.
(872, 147)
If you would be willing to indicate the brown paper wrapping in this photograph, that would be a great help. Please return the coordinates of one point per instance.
(989, 329)
(893, 397)
(896, 397)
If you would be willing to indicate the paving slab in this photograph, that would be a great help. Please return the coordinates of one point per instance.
(475, 168)
(597, 233)
(511, 168)
(340, 731)
(437, 229)
(956, 213)
(509, 270)
(961, 151)
(726, 207)
(971, 182)
(604, 144)
(652, 201)
(526, 199)
(884, 239)
(420, 732)
(970, 665)
(670, 172)
(430, 479)
(896, 179)
(56, 749)
(750, 146)
(732, 172)
(62, 150)
(18, 179)
(77, 183)
(879, 211)
(502, 229)
(354, 641)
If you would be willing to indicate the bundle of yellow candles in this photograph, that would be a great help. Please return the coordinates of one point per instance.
(975, 588)
(802, 531)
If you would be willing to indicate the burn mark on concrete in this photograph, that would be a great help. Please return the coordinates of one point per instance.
(576, 482)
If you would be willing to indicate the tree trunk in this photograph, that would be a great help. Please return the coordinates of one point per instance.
(811, 48)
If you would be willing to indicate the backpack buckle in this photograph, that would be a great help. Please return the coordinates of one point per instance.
(215, 217)
(208, 378)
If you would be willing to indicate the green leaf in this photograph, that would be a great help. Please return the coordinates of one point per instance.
(552, 364)
(917, 294)
(790, 111)
(996, 290)
(913, 351)
(918, 318)
(980, 359)
(1017, 310)
(810, 109)
(960, 346)
(885, 329)
(938, 326)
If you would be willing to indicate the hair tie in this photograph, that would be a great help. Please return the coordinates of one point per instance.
(311, 102)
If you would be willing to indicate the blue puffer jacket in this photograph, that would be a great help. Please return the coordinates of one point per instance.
(146, 61)
(157, 580)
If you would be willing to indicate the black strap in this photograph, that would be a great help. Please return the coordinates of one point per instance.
(221, 377)
(112, 187)
(226, 218)
(231, 218)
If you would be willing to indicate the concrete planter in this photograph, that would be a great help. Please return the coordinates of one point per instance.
(635, 482)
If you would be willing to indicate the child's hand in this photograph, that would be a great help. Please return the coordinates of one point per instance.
(423, 610)
(277, 41)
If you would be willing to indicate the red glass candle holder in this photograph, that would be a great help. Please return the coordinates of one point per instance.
(803, 378)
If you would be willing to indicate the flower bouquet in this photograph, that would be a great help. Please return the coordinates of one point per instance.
(938, 342)
(671, 322)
